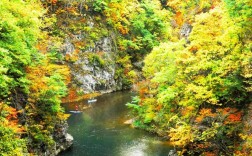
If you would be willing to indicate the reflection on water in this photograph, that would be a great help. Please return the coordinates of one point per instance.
(99, 130)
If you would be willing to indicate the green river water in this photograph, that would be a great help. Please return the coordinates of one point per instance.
(99, 130)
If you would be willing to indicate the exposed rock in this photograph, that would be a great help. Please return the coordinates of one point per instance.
(92, 76)
(139, 65)
(185, 31)
(129, 122)
(68, 47)
(248, 120)
(63, 141)
(68, 141)
(247, 131)
(105, 45)
(173, 153)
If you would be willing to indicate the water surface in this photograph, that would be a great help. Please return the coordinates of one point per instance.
(99, 130)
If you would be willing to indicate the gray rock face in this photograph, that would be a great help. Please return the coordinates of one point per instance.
(58, 147)
(64, 145)
(105, 45)
(185, 31)
(94, 76)
(68, 47)
(173, 153)
(63, 139)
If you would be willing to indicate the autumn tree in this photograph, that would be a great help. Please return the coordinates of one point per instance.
(201, 84)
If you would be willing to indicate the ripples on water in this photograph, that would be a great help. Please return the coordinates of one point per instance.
(99, 130)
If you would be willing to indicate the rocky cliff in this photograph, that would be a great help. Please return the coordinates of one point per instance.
(89, 47)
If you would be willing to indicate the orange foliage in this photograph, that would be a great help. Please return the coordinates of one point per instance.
(143, 89)
(73, 56)
(52, 1)
(179, 18)
(12, 119)
(193, 49)
(234, 118)
(199, 119)
(123, 30)
(159, 107)
(38, 76)
(117, 14)
(72, 10)
(187, 110)
(74, 97)
(79, 44)
(42, 48)
(231, 115)
(12, 113)
(205, 112)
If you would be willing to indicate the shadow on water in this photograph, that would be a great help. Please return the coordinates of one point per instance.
(99, 130)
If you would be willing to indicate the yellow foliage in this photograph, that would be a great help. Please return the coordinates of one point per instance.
(63, 116)
(182, 134)
(38, 76)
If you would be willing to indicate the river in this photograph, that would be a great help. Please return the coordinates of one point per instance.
(99, 130)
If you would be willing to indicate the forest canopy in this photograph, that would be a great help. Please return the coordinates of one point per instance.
(197, 87)
(190, 61)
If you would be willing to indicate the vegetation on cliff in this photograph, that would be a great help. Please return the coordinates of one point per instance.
(31, 84)
(198, 85)
(38, 39)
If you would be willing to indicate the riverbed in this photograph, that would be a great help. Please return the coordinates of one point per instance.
(99, 130)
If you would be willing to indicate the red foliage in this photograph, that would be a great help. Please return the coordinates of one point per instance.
(231, 115)
(234, 118)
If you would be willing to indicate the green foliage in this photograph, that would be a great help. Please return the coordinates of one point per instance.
(10, 141)
(48, 86)
(55, 56)
(193, 84)
(5, 80)
(99, 5)
(194, 89)
(24, 71)
(40, 135)
(19, 27)
(50, 99)
(134, 104)
(143, 24)
(10, 144)
(240, 10)
(96, 60)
